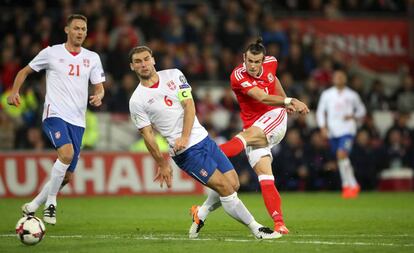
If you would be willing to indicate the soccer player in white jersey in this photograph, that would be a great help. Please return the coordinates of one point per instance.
(163, 101)
(339, 110)
(69, 68)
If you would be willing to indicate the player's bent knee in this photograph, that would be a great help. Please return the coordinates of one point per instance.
(341, 154)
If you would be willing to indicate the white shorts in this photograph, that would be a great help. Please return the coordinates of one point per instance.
(274, 124)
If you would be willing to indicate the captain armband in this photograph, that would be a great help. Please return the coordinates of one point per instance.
(184, 94)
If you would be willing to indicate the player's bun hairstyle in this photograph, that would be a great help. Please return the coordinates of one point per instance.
(75, 16)
(137, 50)
(257, 47)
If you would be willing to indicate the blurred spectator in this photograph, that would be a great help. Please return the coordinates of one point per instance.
(376, 98)
(119, 101)
(289, 165)
(365, 161)
(320, 164)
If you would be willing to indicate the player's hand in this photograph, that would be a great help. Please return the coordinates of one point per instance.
(290, 109)
(14, 99)
(164, 174)
(180, 143)
(349, 117)
(300, 107)
(95, 100)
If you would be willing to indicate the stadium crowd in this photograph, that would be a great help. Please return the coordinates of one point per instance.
(205, 40)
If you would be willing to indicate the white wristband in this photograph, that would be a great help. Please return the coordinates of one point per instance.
(287, 101)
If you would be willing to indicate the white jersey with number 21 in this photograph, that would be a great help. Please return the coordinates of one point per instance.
(67, 80)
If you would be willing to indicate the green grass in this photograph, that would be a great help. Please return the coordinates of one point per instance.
(319, 222)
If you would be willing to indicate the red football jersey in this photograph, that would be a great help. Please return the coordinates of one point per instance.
(242, 82)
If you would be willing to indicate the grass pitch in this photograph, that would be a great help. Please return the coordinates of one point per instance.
(319, 222)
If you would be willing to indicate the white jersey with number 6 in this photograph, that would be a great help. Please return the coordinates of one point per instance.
(67, 80)
(161, 108)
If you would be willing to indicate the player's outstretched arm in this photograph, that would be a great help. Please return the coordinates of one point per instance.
(99, 93)
(14, 97)
(164, 173)
(291, 104)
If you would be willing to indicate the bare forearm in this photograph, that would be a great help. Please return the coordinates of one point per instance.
(99, 91)
(19, 80)
(155, 152)
(189, 116)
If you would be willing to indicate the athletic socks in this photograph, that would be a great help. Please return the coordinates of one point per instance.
(40, 198)
(347, 173)
(234, 146)
(236, 209)
(271, 197)
(56, 179)
(212, 203)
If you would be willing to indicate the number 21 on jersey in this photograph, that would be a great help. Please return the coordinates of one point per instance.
(74, 70)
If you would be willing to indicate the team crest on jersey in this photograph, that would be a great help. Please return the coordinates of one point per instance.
(270, 77)
(86, 63)
(171, 85)
(203, 172)
(61, 60)
(57, 135)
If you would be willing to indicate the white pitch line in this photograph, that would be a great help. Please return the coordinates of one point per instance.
(170, 238)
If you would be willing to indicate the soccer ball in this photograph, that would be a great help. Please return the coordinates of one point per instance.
(30, 230)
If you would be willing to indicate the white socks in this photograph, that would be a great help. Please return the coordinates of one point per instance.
(56, 179)
(236, 209)
(347, 173)
(212, 203)
(40, 198)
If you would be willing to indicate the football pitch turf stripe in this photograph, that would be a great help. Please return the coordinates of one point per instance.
(167, 237)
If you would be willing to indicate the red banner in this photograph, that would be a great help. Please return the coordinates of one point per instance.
(381, 45)
(97, 173)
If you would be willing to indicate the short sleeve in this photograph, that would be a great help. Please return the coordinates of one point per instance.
(41, 60)
(184, 88)
(138, 115)
(97, 72)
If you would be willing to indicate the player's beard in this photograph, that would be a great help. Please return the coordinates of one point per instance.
(145, 77)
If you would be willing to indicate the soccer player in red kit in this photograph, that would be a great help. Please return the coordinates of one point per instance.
(264, 106)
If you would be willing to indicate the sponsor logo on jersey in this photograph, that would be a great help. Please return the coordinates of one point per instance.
(182, 79)
(171, 85)
(270, 77)
(246, 84)
(86, 63)
(184, 86)
(203, 172)
(57, 135)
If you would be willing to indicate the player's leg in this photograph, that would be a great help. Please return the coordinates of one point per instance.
(253, 136)
(57, 132)
(234, 207)
(213, 198)
(261, 161)
(213, 163)
(61, 176)
(349, 184)
(256, 135)
(30, 208)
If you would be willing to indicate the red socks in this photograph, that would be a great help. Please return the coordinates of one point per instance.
(271, 197)
(234, 146)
